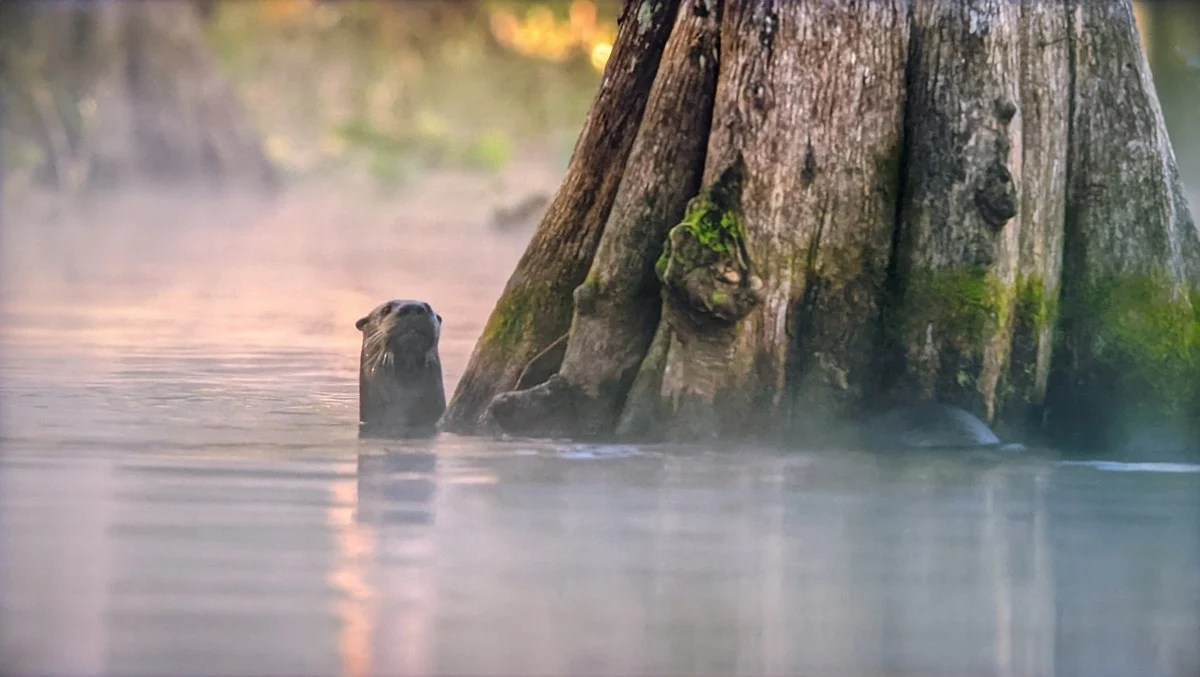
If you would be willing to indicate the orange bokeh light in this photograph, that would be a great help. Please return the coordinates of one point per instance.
(537, 33)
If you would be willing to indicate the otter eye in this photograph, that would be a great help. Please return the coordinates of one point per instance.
(385, 309)
(428, 308)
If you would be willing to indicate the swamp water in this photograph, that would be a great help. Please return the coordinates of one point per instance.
(182, 492)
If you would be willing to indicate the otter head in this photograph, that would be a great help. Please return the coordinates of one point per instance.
(400, 334)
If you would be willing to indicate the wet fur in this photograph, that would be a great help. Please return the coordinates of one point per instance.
(400, 390)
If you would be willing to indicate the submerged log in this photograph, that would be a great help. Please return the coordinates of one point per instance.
(966, 201)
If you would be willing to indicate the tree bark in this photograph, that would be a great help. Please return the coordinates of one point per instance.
(970, 201)
(1129, 358)
(958, 224)
(124, 91)
(1044, 76)
(535, 309)
(808, 147)
(617, 306)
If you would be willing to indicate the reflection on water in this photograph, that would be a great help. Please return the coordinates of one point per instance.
(182, 492)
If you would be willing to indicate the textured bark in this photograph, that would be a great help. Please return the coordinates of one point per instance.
(958, 227)
(972, 201)
(617, 306)
(133, 94)
(535, 307)
(1129, 357)
(1045, 76)
(811, 147)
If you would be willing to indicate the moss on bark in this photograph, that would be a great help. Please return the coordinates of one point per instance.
(963, 302)
(713, 223)
(1034, 310)
(704, 267)
(508, 324)
(1145, 334)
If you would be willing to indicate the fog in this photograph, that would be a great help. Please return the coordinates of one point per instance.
(223, 272)
(182, 490)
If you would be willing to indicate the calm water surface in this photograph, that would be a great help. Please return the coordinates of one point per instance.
(182, 492)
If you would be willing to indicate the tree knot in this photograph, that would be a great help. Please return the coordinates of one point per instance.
(705, 268)
(996, 195)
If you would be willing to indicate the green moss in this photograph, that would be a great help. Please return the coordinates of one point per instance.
(1034, 310)
(1031, 308)
(1145, 335)
(715, 226)
(1034, 314)
(720, 298)
(506, 326)
(963, 302)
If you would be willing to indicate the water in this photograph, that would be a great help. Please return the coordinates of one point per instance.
(182, 492)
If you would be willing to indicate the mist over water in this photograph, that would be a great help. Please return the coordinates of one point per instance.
(182, 489)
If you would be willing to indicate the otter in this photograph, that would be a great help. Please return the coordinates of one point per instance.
(400, 391)
(929, 425)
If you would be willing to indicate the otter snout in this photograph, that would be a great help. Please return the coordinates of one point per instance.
(401, 316)
(409, 308)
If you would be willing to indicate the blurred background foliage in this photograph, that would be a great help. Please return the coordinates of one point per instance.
(394, 88)
(381, 90)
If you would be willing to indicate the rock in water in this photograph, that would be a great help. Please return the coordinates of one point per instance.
(927, 426)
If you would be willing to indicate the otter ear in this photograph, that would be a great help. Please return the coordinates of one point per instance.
(362, 323)
(439, 317)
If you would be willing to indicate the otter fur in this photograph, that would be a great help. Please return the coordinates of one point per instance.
(400, 391)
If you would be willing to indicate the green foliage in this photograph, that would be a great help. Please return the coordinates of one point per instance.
(395, 88)
(490, 152)
(393, 158)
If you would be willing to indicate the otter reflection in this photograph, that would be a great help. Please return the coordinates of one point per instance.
(396, 490)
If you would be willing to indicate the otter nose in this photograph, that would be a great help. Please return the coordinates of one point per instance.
(414, 308)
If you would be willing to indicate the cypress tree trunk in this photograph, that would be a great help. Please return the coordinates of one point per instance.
(1045, 76)
(617, 306)
(1128, 360)
(534, 311)
(893, 195)
(958, 225)
(801, 196)
(114, 91)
